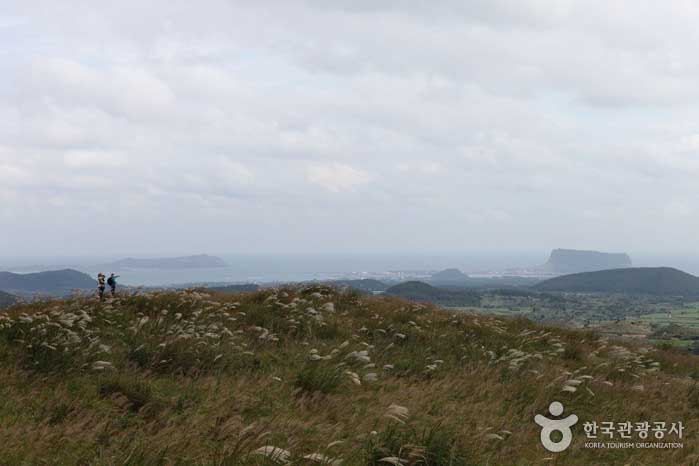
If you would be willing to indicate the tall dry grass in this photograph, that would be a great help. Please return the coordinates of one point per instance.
(282, 376)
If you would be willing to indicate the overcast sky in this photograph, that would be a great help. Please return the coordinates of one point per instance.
(177, 127)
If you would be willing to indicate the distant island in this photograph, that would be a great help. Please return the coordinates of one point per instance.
(664, 281)
(201, 261)
(53, 283)
(566, 261)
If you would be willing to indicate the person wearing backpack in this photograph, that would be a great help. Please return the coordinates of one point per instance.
(100, 285)
(111, 281)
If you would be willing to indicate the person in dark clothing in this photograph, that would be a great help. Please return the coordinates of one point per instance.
(100, 285)
(112, 282)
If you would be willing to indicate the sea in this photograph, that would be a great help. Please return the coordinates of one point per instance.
(248, 268)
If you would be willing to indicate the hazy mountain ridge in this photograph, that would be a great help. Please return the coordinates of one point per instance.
(566, 261)
(641, 280)
(54, 282)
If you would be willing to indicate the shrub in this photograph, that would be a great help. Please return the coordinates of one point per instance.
(321, 378)
(138, 393)
(664, 345)
(693, 396)
(59, 413)
(435, 445)
(140, 356)
(331, 330)
(572, 353)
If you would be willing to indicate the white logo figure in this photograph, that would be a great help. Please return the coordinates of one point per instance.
(551, 425)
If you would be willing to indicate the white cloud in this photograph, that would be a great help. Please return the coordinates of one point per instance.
(337, 177)
(91, 159)
(234, 172)
(679, 209)
(10, 173)
(690, 143)
(424, 167)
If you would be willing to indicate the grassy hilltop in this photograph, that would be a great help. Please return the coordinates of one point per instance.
(316, 376)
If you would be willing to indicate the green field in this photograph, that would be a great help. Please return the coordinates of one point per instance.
(685, 317)
(500, 306)
(674, 342)
(494, 311)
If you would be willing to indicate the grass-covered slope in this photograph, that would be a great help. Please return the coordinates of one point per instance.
(314, 376)
(663, 281)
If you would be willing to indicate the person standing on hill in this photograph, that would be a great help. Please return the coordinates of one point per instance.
(100, 285)
(111, 281)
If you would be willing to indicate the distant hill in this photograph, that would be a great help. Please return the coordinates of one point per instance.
(422, 292)
(6, 299)
(246, 287)
(565, 261)
(449, 276)
(186, 262)
(642, 280)
(365, 284)
(55, 282)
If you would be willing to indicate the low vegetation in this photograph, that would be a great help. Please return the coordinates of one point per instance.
(316, 376)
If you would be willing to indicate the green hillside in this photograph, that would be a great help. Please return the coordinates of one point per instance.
(314, 376)
(54, 282)
(663, 281)
(6, 299)
(422, 292)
